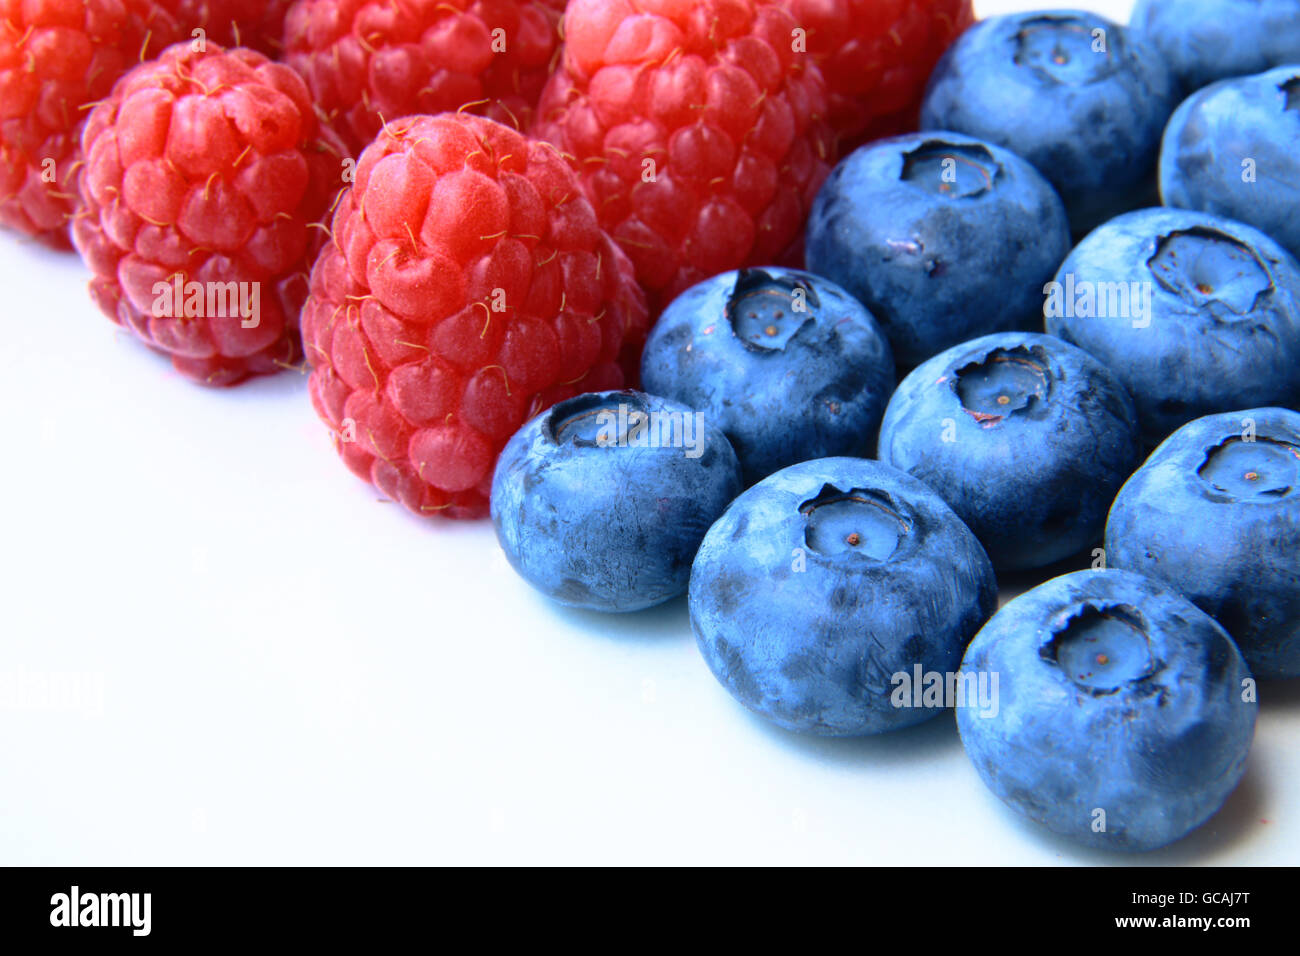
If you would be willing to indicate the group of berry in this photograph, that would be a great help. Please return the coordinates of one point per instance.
(458, 211)
(842, 595)
(483, 222)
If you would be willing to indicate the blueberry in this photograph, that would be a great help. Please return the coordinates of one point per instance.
(788, 365)
(1208, 40)
(1193, 313)
(942, 236)
(1071, 92)
(1231, 150)
(1123, 714)
(1025, 436)
(1215, 513)
(824, 582)
(601, 501)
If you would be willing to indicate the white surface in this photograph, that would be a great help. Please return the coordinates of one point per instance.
(293, 672)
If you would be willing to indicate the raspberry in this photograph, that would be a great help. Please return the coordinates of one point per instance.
(55, 57)
(697, 128)
(258, 24)
(876, 56)
(368, 61)
(204, 173)
(467, 287)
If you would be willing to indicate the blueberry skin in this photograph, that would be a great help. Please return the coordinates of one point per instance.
(1236, 346)
(1253, 120)
(1192, 518)
(1208, 40)
(1158, 753)
(1033, 482)
(608, 528)
(810, 638)
(1091, 124)
(938, 267)
(817, 393)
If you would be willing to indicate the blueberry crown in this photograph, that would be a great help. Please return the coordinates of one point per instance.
(1101, 647)
(767, 311)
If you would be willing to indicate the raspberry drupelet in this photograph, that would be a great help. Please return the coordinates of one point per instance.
(56, 58)
(257, 24)
(876, 56)
(368, 61)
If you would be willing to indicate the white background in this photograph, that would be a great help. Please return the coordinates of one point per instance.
(294, 672)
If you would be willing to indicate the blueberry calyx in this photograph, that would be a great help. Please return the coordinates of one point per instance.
(594, 421)
(1004, 382)
(951, 170)
(1065, 50)
(1264, 469)
(1291, 94)
(1204, 266)
(766, 312)
(1100, 647)
(858, 522)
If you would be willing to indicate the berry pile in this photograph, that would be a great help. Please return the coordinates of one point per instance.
(466, 213)
(842, 596)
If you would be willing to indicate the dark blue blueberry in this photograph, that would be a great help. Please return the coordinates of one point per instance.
(1026, 437)
(1071, 92)
(601, 502)
(942, 236)
(1193, 313)
(1123, 713)
(788, 365)
(824, 583)
(1232, 150)
(1215, 513)
(1208, 40)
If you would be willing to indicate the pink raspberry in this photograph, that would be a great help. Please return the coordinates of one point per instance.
(468, 286)
(56, 56)
(697, 128)
(205, 173)
(368, 61)
(257, 24)
(876, 56)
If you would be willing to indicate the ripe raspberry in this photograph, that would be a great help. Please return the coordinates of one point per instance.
(55, 57)
(206, 169)
(368, 61)
(467, 288)
(876, 56)
(257, 24)
(697, 129)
